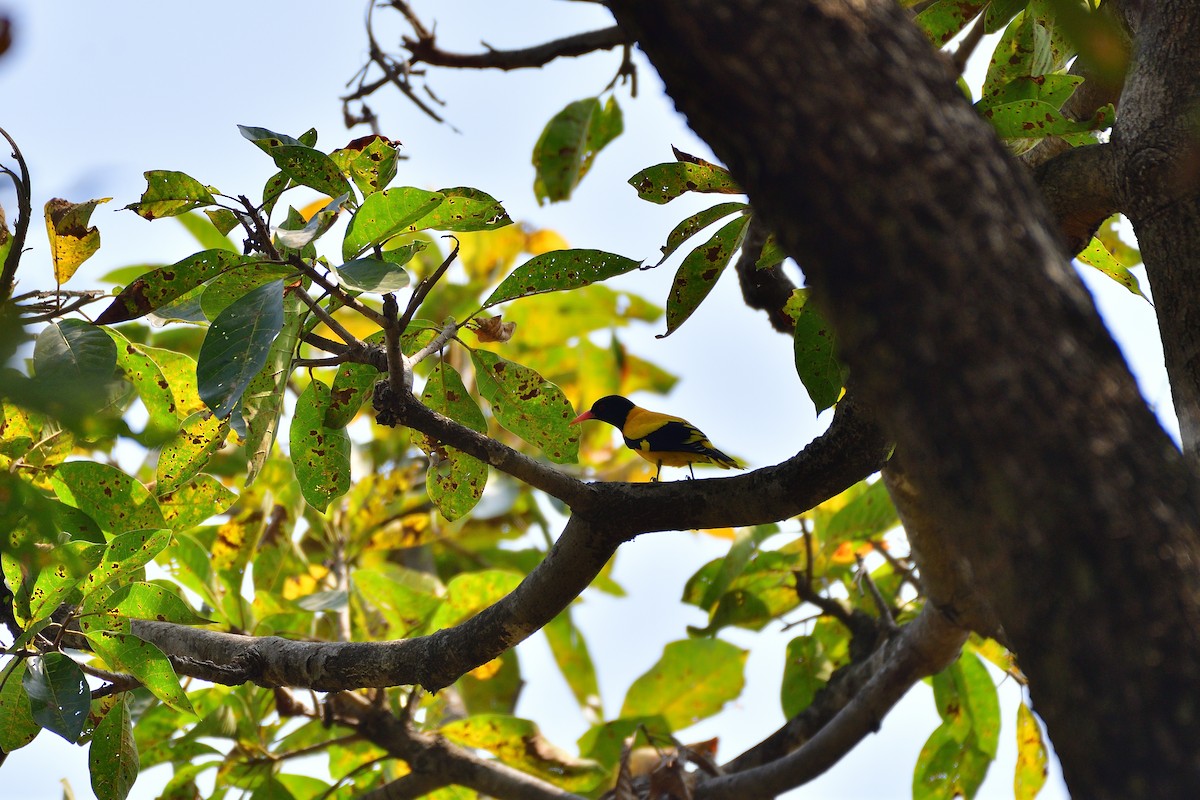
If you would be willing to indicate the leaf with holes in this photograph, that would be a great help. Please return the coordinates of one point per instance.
(696, 223)
(817, 364)
(113, 755)
(463, 210)
(559, 270)
(528, 405)
(169, 194)
(662, 183)
(188, 451)
(698, 273)
(455, 481)
(72, 241)
(160, 286)
(320, 455)
(384, 215)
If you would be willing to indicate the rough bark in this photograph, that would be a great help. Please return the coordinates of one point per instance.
(935, 259)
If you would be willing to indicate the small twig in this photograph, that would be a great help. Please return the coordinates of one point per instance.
(423, 288)
(333, 325)
(885, 610)
(335, 291)
(321, 343)
(8, 272)
(829, 607)
(448, 332)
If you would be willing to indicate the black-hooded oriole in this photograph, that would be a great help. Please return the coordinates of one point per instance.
(659, 438)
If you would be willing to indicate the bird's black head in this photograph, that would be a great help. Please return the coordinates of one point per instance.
(612, 409)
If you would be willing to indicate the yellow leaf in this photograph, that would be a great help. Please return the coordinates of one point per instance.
(487, 253)
(544, 241)
(486, 671)
(72, 242)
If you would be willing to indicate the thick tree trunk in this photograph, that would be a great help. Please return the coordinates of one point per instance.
(965, 326)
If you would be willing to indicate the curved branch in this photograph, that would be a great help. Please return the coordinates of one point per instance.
(605, 516)
(923, 647)
(764, 289)
(1080, 189)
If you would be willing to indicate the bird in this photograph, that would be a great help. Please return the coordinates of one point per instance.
(661, 439)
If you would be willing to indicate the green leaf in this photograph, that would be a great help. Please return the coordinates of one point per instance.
(236, 348)
(169, 194)
(1024, 50)
(233, 284)
(559, 270)
(125, 556)
(1096, 255)
(570, 651)
(519, 743)
(528, 405)
(1034, 119)
(6, 239)
(117, 502)
(262, 404)
(152, 386)
(72, 241)
(352, 386)
(75, 353)
(59, 697)
(194, 501)
(56, 581)
(662, 183)
(1052, 90)
(406, 599)
(569, 143)
(463, 210)
(810, 661)
(160, 286)
(692, 681)
(384, 215)
(267, 139)
(771, 255)
(124, 652)
(320, 455)
(696, 223)
(189, 450)
(223, 220)
(817, 364)
(373, 275)
(943, 20)
(956, 757)
(864, 517)
(1032, 758)
(311, 168)
(698, 273)
(455, 480)
(1000, 12)
(370, 161)
(151, 601)
(17, 725)
(468, 593)
(113, 755)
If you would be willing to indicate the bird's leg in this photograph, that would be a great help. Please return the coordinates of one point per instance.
(692, 472)
(658, 474)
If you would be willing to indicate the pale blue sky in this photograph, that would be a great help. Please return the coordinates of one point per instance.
(96, 93)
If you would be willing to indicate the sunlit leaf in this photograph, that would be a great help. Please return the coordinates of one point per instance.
(126, 653)
(662, 183)
(810, 662)
(1032, 758)
(320, 455)
(943, 20)
(151, 601)
(817, 363)
(696, 223)
(455, 480)
(72, 241)
(152, 386)
(160, 286)
(864, 517)
(956, 757)
(189, 450)
(370, 161)
(698, 273)
(570, 651)
(194, 501)
(1096, 255)
(262, 403)
(519, 743)
(386, 214)
(463, 209)
(171, 193)
(17, 725)
(569, 143)
(692, 681)
(117, 502)
(559, 270)
(1034, 119)
(528, 405)
(113, 755)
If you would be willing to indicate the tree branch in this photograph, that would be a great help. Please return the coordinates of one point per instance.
(8, 272)
(848, 710)
(425, 50)
(764, 289)
(1080, 189)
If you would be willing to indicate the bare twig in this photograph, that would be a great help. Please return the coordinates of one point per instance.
(8, 272)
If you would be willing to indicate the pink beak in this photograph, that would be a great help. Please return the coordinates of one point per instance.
(584, 416)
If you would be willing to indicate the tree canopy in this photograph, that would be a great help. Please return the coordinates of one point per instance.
(304, 489)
